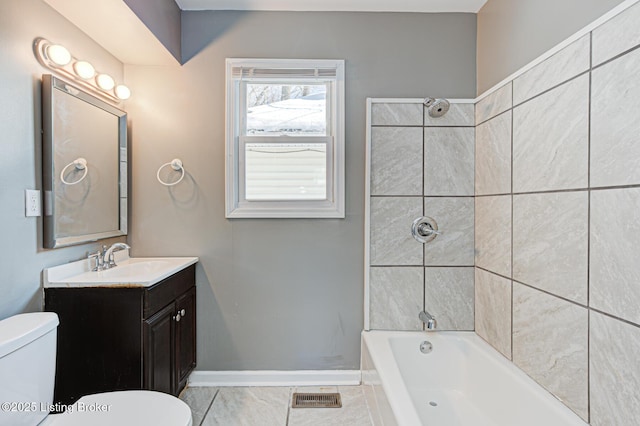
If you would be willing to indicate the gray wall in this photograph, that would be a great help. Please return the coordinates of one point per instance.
(163, 18)
(276, 294)
(513, 33)
(557, 222)
(21, 255)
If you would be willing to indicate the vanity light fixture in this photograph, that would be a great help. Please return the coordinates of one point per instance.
(105, 81)
(122, 92)
(84, 69)
(59, 60)
(58, 54)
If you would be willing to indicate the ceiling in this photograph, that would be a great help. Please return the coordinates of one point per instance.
(115, 27)
(423, 6)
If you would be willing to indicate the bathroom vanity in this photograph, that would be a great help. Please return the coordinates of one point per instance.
(130, 327)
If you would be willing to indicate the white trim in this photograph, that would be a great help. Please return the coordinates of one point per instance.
(558, 47)
(419, 6)
(367, 214)
(417, 100)
(276, 378)
(334, 206)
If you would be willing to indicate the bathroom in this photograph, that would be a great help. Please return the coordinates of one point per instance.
(288, 295)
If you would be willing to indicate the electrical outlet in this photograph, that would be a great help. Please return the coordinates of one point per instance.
(33, 205)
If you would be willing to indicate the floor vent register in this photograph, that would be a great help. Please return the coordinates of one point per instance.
(316, 400)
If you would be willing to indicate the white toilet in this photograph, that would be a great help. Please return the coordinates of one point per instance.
(27, 372)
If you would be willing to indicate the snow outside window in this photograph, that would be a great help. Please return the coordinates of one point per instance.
(285, 138)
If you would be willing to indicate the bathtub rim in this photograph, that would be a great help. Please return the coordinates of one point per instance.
(400, 400)
(390, 376)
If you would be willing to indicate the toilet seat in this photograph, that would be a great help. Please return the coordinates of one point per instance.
(124, 408)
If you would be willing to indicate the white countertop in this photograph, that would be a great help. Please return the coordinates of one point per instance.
(130, 272)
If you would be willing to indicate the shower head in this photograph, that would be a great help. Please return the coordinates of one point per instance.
(437, 107)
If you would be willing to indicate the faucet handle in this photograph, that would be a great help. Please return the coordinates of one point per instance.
(98, 257)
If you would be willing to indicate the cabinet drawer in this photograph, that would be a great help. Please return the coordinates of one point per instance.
(166, 291)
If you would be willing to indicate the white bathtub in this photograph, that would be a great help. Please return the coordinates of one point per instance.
(462, 382)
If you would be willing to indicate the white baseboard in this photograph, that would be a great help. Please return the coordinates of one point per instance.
(276, 378)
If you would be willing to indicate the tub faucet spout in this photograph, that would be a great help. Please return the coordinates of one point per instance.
(428, 319)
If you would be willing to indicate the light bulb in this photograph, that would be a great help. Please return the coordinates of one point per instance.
(105, 81)
(84, 69)
(122, 92)
(58, 54)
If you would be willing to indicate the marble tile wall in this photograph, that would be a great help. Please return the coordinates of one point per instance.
(493, 310)
(493, 155)
(420, 166)
(615, 151)
(449, 152)
(395, 297)
(557, 222)
(551, 139)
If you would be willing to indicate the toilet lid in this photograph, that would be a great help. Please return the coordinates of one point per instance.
(134, 408)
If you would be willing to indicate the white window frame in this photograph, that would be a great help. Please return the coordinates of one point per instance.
(237, 206)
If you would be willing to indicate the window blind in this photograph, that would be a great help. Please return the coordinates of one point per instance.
(284, 73)
(295, 171)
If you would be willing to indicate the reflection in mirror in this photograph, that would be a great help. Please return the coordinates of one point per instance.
(84, 166)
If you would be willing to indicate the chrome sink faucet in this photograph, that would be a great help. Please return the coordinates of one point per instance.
(107, 256)
(104, 258)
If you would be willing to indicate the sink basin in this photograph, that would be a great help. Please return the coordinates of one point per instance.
(135, 268)
(130, 272)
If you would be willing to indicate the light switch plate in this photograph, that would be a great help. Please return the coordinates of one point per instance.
(32, 202)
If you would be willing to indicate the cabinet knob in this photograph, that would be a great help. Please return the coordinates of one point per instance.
(182, 312)
(177, 317)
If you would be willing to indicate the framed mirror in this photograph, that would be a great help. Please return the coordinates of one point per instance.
(84, 166)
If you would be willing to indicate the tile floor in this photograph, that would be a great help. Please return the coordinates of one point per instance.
(271, 406)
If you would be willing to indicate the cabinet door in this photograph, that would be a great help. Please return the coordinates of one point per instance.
(159, 341)
(185, 337)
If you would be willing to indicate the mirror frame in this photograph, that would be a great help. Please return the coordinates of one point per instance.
(50, 85)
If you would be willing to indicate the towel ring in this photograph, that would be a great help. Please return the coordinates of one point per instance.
(176, 164)
(80, 164)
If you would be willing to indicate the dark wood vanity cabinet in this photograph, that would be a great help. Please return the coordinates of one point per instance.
(121, 338)
(172, 327)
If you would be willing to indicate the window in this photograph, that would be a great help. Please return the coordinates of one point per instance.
(285, 138)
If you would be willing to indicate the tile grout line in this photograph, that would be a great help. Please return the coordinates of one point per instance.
(422, 266)
(426, 126)
(422, 196)
(556, 191)
(613, 58)
(473, 271)
(534, 287)
(544, 92)
(475, 161)
(589, 225)
(537, 95)
(424, 246)
(588, 308)
(498, 114)
(289, 402)
(633, 324)
(206, 413)
(512, 225)
(366, 404)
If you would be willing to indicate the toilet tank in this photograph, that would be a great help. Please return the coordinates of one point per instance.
(27, 367)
